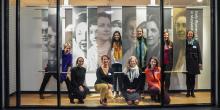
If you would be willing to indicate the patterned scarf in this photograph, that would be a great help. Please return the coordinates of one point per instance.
(132, 73)
(190, 42)
(141, 44)
(117, 51)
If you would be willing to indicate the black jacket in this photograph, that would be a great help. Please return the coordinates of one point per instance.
(193, 57)
(136, 84)
(77, 76)
(104, 78)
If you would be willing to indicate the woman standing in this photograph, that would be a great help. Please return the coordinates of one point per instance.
(131, 81)
(168, 59)
(79, 90)
(104, 80)
(116, 61)
(193, 62)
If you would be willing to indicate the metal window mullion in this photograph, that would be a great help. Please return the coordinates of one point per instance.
(18, 90)
(161, 50)
(58, 51)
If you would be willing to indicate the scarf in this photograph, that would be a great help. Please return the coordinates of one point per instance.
(117, 51)
(140, 53)
(190, 42)
(132, 73)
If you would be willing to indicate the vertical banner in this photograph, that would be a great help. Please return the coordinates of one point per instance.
(44, 30)
(103, 33)
(167, 22)
(68, 25)
(116, 19)
(141, 19)
(153, 32)
(92, 54)
(52, 50)
(194, 22)
(129, 32)
(79, 38)
(179, 37)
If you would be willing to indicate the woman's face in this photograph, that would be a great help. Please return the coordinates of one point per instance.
(67, 49)
(153, 63)
(80, 62)
(81, 33)
(189, 35)
(132, 62)
(92, 33)
(139, 33)
(165, 36)
(104, 28)
(153, 33)
(105, 60)
(181, 27)
(116, 36)
(131, 30)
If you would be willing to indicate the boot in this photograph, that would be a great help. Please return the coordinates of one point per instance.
(41, 96)
(192, 93)
(72, 101)
(81, 101)
(188, 93)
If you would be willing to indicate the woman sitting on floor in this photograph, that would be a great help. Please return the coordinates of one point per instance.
(79, 90)
(131, 81)
(104, 80)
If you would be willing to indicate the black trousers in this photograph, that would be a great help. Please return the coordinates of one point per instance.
(46, 80)
(190, 82)
(118, 81)
(142, 82)
(167, 76)
(117, 77)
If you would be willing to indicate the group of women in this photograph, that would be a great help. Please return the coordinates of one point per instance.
(132, 75)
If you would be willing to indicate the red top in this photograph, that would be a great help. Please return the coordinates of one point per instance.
(153, 77)
(166, 55)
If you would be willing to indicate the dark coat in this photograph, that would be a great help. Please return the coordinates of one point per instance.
(170, 55)
(193, 57)
(78, 79)
(136, 84)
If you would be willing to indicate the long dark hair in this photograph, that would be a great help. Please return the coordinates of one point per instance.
(157, 62)
(168, 42)
(117, 41)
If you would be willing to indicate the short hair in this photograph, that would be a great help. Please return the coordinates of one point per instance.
(129, 60)
(155, 19)
(67, 45)
(116, 22)
(105, 15)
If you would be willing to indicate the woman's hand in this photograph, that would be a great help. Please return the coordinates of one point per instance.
(81, 88)
(109, 86)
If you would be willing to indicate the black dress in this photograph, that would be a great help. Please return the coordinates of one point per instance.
(78, 79)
